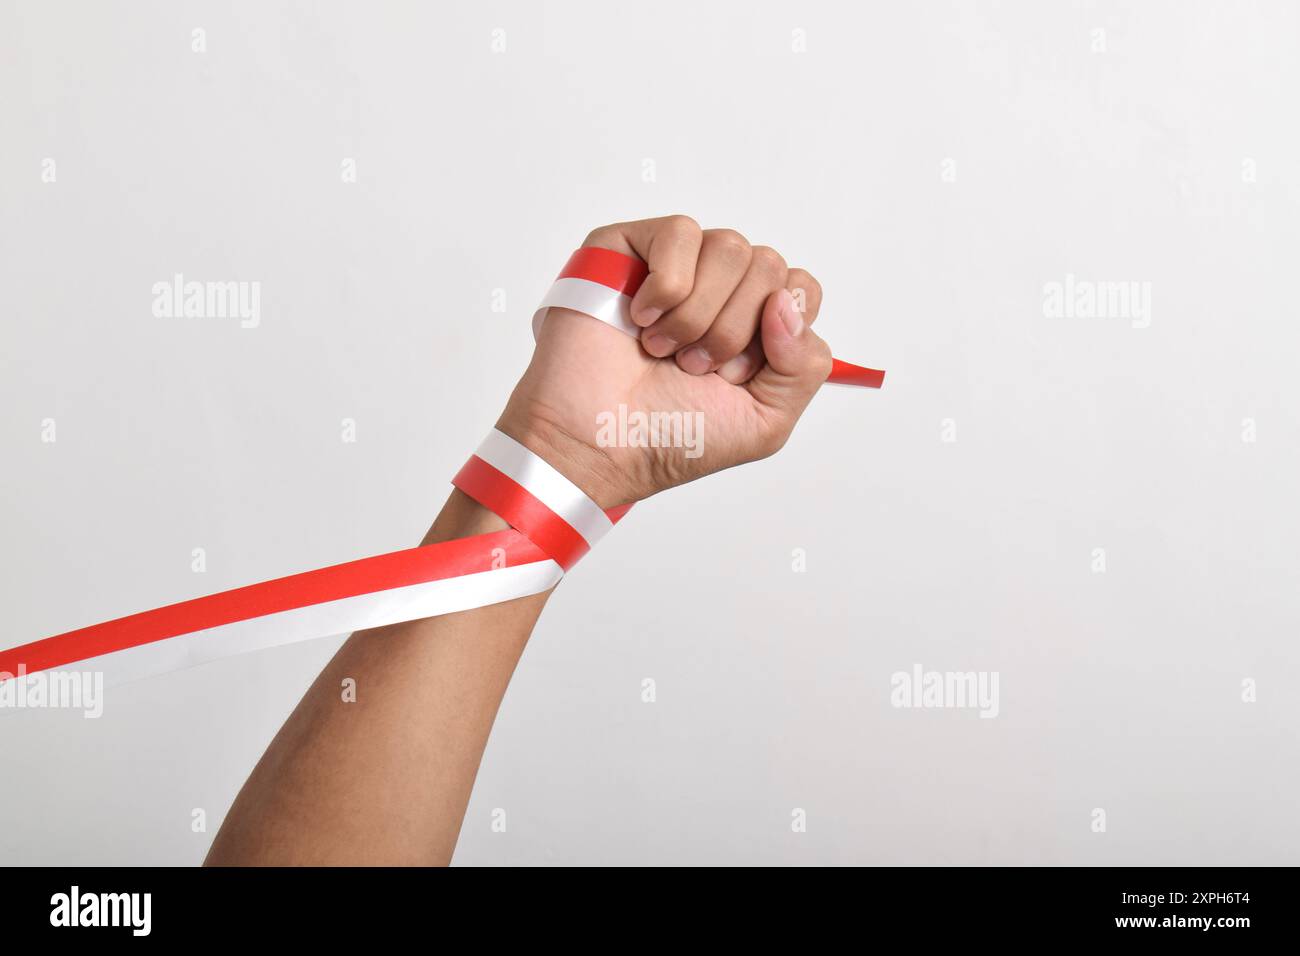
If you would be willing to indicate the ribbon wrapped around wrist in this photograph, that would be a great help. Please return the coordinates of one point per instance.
(552, 525)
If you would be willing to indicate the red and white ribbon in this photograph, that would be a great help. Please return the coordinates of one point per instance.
(601, 283)
(551, 511)
(401, 586)
(552, 525)
(585, 285)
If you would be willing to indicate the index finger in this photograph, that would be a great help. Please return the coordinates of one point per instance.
(670, 246)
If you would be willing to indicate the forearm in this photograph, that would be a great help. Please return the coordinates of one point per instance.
(385, 779)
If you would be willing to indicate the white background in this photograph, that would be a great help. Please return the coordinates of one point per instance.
(480, 170)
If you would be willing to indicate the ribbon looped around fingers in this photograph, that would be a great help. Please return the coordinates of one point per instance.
(601, 283)
(552, 525)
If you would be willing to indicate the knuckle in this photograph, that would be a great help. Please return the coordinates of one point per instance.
(769, 264)
(601, 236)
(671, 288)
(683, 226)
(685, 324)
(725, 342)
(729, 243)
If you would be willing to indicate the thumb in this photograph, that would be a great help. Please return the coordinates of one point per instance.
(798, 361)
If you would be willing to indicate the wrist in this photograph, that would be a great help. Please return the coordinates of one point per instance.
(588, 467)
(462, 517)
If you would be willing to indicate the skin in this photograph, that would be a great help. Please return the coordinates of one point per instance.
(385, 780)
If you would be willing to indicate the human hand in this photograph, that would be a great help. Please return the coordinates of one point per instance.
(726, 356)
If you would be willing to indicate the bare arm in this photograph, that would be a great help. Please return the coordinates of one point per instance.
(386, 780)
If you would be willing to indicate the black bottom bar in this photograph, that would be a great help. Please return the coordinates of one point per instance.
(869, 905)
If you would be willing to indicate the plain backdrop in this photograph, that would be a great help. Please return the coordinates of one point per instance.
(935, 165)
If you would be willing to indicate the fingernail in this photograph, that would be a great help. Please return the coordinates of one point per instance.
(647, 317)
(660, 345)
(738, 368)
(788, 313)
(695, 360)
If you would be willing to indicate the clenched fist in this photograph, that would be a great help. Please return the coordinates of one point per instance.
(723, 343)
